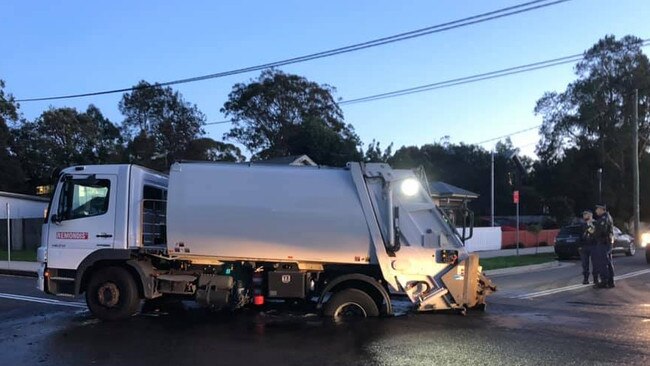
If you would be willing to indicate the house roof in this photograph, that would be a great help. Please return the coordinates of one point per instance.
(23, 196)
(446, 190)
(289, 160)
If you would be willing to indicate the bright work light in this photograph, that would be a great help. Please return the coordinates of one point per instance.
(410, 187)
(645, 239)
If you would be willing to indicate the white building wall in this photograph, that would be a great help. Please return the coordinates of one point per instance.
(484, 238)
(21, 208)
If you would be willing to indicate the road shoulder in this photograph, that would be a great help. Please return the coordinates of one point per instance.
(19, 268)
(530, 268)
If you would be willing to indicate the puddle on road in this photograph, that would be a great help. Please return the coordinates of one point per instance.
(518, 320)
(589, 303)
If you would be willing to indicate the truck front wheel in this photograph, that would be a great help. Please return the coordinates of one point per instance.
(112, 294)
(350, 304)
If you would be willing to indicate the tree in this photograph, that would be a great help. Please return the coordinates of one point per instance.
(12, 175)
(468, 167)
(465, 166)
(375, 154)
(62, 137)
(322, 144)
(594, 114)
(109, 148)
(208, 149)
(281, 114)
(160, 125)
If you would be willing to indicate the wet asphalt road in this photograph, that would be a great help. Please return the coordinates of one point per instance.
(529, 322)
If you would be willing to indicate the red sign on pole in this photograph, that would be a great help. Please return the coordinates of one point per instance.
(515, 197)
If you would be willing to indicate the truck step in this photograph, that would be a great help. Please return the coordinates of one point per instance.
(176, 278)
(62, 294)
(66, 279)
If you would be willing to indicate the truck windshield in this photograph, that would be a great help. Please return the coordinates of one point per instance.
(84, 199)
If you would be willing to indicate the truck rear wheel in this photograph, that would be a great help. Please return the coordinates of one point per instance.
(350, 304)
(112, 294)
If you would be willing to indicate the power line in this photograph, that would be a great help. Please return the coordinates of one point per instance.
(466, 79)
(457, 81)
(475, 19)
(475, 78)
(528, 129)
(217, 123)
(508, 135)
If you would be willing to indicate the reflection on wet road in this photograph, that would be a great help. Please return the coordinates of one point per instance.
(584, 326)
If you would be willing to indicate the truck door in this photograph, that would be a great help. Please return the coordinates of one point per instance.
(82, 218)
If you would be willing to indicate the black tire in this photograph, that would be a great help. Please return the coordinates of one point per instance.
(350, 303)
(631, 250)
(112, 294)
(647, 254)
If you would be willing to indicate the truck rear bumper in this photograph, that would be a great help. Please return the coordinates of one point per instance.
(463, 287)
(467, 284)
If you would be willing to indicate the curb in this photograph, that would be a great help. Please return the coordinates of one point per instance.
(16, 272)
(530, 268)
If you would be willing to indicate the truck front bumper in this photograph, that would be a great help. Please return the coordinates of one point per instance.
(40, 283)
(41, 258)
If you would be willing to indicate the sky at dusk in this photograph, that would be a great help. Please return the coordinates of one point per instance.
(63, 47)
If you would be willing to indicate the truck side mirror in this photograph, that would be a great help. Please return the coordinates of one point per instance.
(56, 219)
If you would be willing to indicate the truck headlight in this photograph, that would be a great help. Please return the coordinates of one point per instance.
(645, 239)
(410, 187)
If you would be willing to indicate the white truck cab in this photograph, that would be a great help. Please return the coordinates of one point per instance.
(99, 207)
(233, 235)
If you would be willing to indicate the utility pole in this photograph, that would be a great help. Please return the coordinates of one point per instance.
(600, 186)
(635, 164)
(492, 190)
(8, 234)
(517, 235)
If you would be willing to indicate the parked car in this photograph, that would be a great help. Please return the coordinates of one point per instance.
(623, 243)
(567, 242)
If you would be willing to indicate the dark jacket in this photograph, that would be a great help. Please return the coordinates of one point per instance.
(604, 233)
(588, 231)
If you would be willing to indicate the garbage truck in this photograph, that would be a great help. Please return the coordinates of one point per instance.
(345, 241)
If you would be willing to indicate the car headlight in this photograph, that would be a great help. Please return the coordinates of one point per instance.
(645, 239)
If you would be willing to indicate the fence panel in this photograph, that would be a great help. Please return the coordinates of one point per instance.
(484, 238)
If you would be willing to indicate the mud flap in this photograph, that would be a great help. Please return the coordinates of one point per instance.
(467, 285)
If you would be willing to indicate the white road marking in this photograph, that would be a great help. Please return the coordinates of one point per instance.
(42, 300)
(533, 295)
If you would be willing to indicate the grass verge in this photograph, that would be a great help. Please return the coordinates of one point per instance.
(19, 255)
(516, 261)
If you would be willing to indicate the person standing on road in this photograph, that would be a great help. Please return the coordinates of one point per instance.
(604, 236)
(587, 246)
